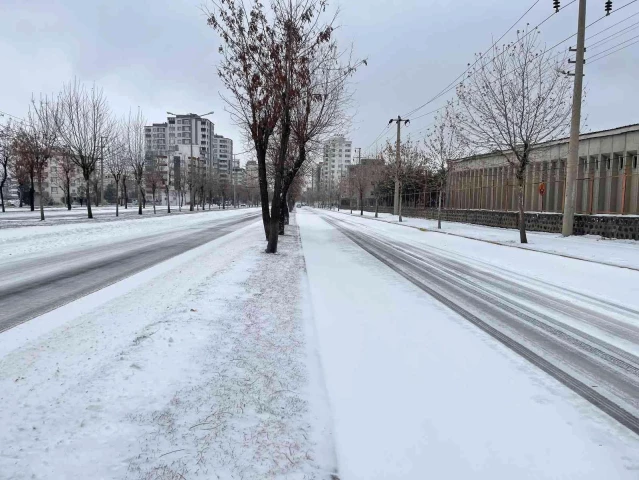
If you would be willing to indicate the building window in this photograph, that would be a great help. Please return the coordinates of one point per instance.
(621, 163)
(634, 162)
(607, 164)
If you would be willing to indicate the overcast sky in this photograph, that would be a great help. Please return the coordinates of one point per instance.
(160, 55)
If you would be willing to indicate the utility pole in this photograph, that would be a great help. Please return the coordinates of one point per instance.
(399, 121)
(573, 148)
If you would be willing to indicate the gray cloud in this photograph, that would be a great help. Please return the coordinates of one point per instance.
(161, 55)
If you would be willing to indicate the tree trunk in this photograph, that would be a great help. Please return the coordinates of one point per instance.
(41, 198)
(439, 208)
(168, 200)
(68, 194)
(400, 202)
(263, 183)
(190, 198)
(376, 207)
(20, 195)
(139, 189)
(361, 203)
(31, 193)
(271, 246)
(153, 201)
(522, 216)
(88, 182)
(126, 198)
(2, 198)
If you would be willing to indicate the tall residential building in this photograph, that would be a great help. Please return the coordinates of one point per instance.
(335, 162)
(222, 155)
(181, 143)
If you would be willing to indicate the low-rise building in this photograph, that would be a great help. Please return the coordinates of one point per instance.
(607, 176)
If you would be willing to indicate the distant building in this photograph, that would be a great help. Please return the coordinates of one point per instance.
(182, 143)
(222, 156)
(336, 160)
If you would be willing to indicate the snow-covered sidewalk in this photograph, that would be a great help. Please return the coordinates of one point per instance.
(622, 253)
(417, 392)
(200, 367)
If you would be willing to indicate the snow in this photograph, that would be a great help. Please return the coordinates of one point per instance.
(416, 392)
(623, 253)
(574, 281)
(191, 369)
(225, 362)
(30, 242)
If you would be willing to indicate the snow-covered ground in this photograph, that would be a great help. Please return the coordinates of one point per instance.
(225, 362)
(28, 241)
(417, 392)
(624, 253)
(195, 368)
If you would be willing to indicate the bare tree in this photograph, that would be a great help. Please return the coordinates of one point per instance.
(153, 176)
(379, 176)
(515, 98)
(167, 182)
(267, 65)
(117, 162)
(6, 145)
(136, 152)
(411, 163)
(361, 179)
(444, 145)
(85, 122)
(66, 175)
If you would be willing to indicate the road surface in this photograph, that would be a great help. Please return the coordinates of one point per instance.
(15, 217)
(31, 287)
(551, 326)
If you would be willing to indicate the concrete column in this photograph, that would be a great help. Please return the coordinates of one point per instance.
(633, 162)
(500, 196)
(607, 171)
(626, 183)
(528, 190)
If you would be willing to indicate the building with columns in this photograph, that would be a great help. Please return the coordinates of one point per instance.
(607, 177)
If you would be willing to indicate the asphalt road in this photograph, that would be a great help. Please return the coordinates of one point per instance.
(548, 326)
(31, 287)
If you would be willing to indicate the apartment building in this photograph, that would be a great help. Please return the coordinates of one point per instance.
(182, 143)
(222, 155)
(337, 158)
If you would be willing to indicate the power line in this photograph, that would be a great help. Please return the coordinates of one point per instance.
(615, 51)
(612, 37)
(451, 85)
(612, 48)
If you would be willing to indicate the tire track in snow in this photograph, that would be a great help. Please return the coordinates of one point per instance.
(558, 352)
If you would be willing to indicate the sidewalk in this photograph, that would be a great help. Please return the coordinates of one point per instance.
(617, 253)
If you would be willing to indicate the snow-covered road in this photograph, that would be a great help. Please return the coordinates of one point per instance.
(418, 391)
(31, 286)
